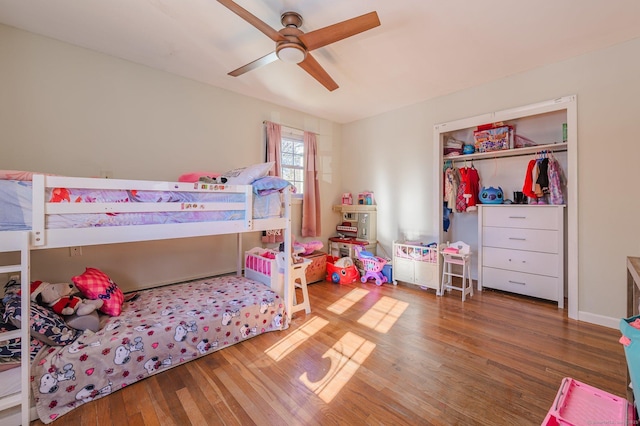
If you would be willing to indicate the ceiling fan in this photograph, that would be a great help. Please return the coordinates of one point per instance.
(292, 45)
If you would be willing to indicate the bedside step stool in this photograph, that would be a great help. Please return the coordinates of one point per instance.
(459, 253)
(298, 276)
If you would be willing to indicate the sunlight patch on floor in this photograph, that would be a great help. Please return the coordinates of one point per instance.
(348, 300)
(295, 339)
(381, 316)
(346, 356)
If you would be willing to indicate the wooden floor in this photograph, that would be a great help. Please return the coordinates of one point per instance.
(381, 356)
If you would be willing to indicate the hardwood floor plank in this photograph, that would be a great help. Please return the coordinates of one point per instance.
(379, 355)
(196, 417)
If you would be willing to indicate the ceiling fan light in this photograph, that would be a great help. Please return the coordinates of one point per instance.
(291, 53)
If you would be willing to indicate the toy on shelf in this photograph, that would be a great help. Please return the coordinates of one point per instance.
(366, 198)
(372, 266)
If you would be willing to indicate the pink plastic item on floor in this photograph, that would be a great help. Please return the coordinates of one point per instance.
(578, 404)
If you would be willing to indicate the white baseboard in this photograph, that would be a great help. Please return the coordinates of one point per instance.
(610, 322)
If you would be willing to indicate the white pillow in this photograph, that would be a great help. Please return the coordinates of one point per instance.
(246, 175)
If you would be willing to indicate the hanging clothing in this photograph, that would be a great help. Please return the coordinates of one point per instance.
(542, 182)
(555, 182)
(451, 182)
(470, 181)
(446, 222)
(461, 202)
(527, 187)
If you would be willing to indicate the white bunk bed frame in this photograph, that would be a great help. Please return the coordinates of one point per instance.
(41, 238)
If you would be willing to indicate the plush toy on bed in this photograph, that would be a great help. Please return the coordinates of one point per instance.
(63, 298)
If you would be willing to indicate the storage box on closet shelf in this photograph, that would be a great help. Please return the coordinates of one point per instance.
(453, 147)
(493, 137)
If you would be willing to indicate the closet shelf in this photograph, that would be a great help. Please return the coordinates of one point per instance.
(515, 152)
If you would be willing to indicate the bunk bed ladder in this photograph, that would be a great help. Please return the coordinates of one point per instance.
(21, 398)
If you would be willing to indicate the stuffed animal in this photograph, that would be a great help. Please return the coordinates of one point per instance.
(63, 298)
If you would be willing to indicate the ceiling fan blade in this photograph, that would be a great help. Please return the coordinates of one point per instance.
(267, 59)
(316, 71)
(252, 19)
(336, 32)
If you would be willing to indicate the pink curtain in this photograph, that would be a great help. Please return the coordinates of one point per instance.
(311, 198)
(274, 138)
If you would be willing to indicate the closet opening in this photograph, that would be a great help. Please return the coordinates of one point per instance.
(502, 157)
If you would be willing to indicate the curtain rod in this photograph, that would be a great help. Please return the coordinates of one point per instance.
(291, 127)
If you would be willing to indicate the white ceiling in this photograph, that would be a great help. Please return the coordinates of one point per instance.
(421, 50)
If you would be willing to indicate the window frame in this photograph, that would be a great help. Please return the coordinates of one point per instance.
(296, 137)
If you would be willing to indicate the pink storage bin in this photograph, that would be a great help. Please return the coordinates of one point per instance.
(578, 404)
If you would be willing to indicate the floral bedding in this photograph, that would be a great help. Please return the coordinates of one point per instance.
(159, 329)
(16, 213)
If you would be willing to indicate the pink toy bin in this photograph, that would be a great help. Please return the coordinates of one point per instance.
(578, 404)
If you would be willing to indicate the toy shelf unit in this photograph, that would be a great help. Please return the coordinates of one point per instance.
(357, 228)
(417, 263)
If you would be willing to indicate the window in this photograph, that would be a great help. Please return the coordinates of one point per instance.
(292, 161)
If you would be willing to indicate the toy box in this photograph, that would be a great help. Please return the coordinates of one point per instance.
(387, 271)
(577, 404)
(317, 270)
(628, 327)
(493, 139)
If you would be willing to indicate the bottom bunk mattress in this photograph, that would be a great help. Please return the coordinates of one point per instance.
(158, 329)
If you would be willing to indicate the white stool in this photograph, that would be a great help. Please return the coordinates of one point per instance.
(461, 258)
(299, 279)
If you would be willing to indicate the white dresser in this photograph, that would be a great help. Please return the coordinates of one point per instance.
(521, 250)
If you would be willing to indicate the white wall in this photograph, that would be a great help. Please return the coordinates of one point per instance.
(71, 111)
(67, 110)
(395, 150)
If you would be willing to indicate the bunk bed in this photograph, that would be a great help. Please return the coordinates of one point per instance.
(161, 327)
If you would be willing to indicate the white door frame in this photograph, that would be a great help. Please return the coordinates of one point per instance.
(568, 103)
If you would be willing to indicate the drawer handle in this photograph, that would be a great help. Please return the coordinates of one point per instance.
(517, 239)
(517, 217)
(517, 282)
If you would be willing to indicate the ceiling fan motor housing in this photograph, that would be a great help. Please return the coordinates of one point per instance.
(292, 49)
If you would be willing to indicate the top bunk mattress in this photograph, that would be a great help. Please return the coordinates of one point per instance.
(16, 206)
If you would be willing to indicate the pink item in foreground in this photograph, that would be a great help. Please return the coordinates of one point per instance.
(95, 284)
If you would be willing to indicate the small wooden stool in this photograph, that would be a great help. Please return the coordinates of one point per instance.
(462, 258)
(298, 276)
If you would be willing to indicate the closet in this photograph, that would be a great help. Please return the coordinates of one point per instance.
(549, 127)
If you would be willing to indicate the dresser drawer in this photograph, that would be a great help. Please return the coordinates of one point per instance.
(521, 283)
(521, 239)
(521, 261)
(531, 217)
